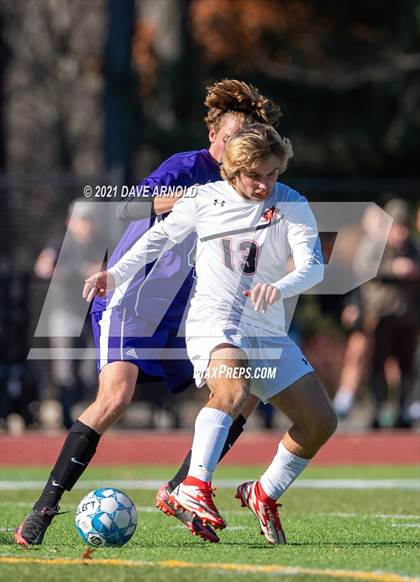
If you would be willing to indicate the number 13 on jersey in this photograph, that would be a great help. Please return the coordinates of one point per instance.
(248, 255)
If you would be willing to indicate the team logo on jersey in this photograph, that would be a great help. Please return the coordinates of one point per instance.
(217, 201)
(269, 214)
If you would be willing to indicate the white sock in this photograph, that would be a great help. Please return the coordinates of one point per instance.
(211, 430)
(284, 469)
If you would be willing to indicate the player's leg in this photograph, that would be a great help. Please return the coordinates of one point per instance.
(117, 382)
(193, 522)
(234, 433)
(229, 394)
(179, 376)
(308, 407)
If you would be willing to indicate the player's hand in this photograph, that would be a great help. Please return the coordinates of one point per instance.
(98, 284)
(263, 295)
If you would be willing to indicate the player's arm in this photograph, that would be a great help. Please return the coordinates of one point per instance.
(137, 209)
(302, 235)
(305, 246)
(160, 238)
(150, 202)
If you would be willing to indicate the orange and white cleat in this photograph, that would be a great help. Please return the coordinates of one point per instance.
(265, 510)
(196, 496)
(188, 518)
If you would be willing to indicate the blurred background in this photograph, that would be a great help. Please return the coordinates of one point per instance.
(101, 91)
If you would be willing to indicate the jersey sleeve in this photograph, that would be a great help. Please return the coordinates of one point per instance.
(171, 173)
(305, 246)
(161, 237)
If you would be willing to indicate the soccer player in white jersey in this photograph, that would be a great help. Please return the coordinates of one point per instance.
(247, 227)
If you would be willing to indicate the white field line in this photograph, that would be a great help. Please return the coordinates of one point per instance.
(378, 515)
(152, 484)
(233, 527)
(152, 509)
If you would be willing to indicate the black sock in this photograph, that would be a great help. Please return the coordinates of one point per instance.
(78, 449)
(182, 472)
(233, 435)
(235, 432)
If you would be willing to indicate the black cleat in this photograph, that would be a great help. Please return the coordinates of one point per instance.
(32, 530)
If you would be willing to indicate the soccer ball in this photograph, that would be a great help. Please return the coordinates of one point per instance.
(106, 517)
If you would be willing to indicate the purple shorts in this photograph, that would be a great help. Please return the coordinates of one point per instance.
(120, 337)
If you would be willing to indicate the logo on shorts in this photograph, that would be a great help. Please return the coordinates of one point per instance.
(305, 362)
(132, 353)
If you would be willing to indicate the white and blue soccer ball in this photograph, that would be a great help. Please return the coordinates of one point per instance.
(106, 517)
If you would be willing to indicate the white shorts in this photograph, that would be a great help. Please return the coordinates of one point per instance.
(274, 362)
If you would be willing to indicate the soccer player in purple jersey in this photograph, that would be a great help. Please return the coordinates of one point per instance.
(147, 316)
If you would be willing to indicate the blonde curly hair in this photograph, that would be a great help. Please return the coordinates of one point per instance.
(251, 146)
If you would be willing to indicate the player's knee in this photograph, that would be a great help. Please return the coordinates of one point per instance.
(230, 396)
(238, 394)
(114, 402)
(120, 402)
(326, 425)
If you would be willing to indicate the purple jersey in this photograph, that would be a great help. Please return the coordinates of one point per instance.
(162, 289)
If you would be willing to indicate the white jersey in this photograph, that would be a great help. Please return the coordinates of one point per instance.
(240, 243)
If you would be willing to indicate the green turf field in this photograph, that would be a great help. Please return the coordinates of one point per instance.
(343, 533)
